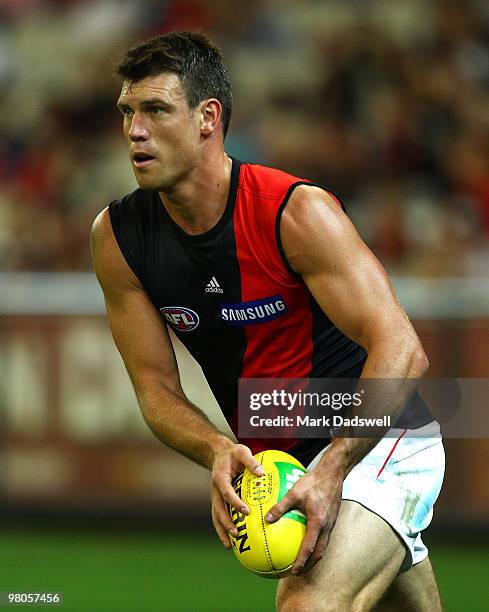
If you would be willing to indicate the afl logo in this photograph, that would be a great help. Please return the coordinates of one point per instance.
(180, 318)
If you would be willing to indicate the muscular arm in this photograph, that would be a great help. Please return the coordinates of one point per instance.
(143, 341)
(352, 288)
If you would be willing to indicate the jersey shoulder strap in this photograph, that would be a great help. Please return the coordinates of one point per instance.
(268, 191)
(269, 183)
(133, 219)
(262, 196)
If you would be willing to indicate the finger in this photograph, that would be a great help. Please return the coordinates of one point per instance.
(255, 467)
(221, 532)
(308, 545)
(280, 508)
(221, 514)
(319, 550)
(246, 457)
(227, 492)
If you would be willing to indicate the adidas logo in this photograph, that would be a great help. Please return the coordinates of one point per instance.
(213, 286)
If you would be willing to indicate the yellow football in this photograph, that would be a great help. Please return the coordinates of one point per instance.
(268, 549)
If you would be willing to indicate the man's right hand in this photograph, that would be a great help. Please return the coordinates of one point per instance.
(227, 464)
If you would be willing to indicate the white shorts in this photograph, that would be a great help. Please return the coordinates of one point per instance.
(400, 480)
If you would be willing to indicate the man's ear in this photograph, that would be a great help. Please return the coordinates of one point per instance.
(210, 111)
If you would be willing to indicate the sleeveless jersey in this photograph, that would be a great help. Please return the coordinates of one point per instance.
(230, 295)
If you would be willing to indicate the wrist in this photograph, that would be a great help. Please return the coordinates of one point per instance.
(345, 453)
(335, 459)
(339, 456)
(218, 444)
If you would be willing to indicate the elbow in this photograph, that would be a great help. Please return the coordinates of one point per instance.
(419, 361)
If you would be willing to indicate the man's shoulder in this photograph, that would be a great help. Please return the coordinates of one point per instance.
(266, 181)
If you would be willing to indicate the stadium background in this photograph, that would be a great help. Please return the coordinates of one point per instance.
(384, 102)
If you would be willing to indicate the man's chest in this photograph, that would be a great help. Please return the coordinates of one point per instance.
(210, 287)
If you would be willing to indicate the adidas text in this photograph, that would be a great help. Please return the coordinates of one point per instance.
(213, 286)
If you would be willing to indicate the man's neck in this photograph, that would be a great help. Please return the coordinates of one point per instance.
(198, 203)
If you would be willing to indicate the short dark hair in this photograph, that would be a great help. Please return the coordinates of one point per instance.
(190, 55)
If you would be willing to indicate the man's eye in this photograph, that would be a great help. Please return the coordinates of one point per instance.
(155, 110)
(127, 112)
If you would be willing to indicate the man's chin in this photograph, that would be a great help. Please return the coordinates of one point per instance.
(158, 181)
(148, 186)
(147, 183)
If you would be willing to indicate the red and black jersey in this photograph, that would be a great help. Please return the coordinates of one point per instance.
(230, 295)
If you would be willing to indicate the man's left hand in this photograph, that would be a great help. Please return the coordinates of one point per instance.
(318, 495)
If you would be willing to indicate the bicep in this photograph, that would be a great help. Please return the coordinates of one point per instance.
(343, 275)
(138, 331)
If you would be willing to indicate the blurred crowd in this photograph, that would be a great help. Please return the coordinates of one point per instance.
(386, 103)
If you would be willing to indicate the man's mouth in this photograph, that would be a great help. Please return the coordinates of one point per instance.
(142, 160)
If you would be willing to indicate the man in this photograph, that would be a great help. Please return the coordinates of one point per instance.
(205, 236)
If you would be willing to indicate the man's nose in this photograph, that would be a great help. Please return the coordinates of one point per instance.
(138, 130)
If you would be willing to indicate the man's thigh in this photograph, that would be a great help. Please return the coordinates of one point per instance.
(412, 591)
(361, 561)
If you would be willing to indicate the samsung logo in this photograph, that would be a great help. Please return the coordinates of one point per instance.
(252, 313)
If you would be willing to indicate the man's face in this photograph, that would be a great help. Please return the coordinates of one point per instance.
(162, 132)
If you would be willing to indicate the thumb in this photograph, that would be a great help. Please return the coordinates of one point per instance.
(255, 467)
(250, 462)
(279, 509)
